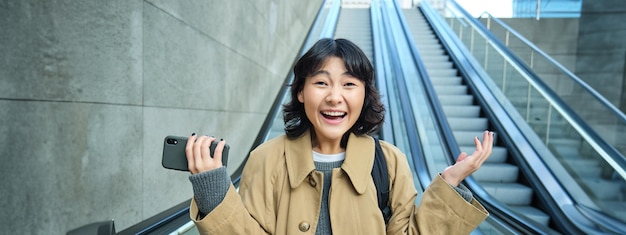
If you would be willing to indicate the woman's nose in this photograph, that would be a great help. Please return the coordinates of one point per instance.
(334, 96)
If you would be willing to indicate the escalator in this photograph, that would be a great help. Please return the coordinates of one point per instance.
(524, 184)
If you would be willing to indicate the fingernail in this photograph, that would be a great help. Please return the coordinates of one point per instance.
(221, 139)
(193, 134)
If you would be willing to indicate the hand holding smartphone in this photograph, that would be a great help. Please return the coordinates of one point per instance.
(174, 156)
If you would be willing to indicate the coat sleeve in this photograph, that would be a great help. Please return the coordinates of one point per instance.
(244, 212)
(441, 209)
(229, 217)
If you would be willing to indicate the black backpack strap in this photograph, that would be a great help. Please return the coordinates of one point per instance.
(380, 175)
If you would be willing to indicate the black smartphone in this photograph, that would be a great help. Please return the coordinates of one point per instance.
(174, 156)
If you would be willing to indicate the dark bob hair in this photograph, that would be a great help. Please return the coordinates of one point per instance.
(357, 64)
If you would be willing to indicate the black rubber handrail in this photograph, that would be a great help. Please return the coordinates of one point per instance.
(162, 221)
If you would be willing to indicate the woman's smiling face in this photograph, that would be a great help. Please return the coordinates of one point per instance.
(333, 99)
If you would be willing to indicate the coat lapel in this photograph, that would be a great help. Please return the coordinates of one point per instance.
(357, 165)
(359, 161)
(299, 158)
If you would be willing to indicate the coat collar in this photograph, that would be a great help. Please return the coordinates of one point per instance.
(357, 165)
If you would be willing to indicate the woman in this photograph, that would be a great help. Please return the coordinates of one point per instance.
(316, 178)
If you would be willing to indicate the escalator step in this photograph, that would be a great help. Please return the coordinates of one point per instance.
(509, 193)
(497, 172)
(456, 99)
(533, 213)
(451, 90)
(461, 111)
(468, 123)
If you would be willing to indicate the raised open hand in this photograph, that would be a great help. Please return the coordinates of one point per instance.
(466, 165)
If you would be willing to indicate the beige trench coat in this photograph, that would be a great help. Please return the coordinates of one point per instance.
(281, 193)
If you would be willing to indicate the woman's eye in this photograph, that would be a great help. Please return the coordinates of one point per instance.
(320, 83)
(350, 84)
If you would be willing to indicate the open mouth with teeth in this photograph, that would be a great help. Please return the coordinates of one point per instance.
(334, 115)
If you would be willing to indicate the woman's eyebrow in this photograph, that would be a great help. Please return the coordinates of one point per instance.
(320, 72)
(328, 74)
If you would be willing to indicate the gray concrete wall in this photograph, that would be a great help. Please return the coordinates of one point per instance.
(89, 89)
(601, 50)
(557, 37)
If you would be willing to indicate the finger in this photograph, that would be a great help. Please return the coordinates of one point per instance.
(486, 139)
(488, 143)
(486, 147)
(197, 151)
(479, 148)
(205, 150)
(189, 153)
(217, 155)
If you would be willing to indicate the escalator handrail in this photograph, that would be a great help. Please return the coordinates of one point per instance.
(560, 199)
(386, 131)
(331, 20)
(415, 148)
(447, 136)
(609, 153)
(155, 222)
(618, 113)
